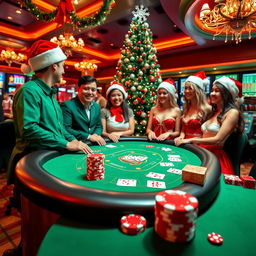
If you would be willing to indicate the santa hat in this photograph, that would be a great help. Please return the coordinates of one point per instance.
(41, 55)
(117, 86)
(232, 85)
(169, 85)
(199, 79)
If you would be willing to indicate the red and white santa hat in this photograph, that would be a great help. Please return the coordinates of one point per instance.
(169, 85)
(232, 85)
(116, 86)
(199, 79)
(41, 55)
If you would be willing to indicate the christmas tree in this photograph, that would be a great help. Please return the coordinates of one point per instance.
(138, 68)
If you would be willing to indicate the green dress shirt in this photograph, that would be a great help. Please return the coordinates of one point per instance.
(38, 121)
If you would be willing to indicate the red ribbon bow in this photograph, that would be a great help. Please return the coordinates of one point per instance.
(64, 8)
(118, 113)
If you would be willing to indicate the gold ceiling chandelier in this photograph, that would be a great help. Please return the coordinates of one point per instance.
(230, 17)
(68, 43)
(85, 66)
(10, 56)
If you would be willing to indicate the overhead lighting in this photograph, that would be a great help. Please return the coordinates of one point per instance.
(85, 65)
(10, 56)
(230, 17)
(68, 43)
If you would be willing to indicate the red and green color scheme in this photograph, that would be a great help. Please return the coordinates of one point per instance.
(138, 69)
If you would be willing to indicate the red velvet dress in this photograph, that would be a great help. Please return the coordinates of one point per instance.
(163, 127)
(225, 164)
(192, 128)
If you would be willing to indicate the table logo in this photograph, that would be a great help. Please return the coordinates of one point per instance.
(134, 160)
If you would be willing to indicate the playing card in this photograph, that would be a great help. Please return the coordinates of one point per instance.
(166, 149)
(110, 146)
(176, 171)
(155, 175)
(155, 184)
(173, 156)
(126, 182)
(166, 164)
(174, 159)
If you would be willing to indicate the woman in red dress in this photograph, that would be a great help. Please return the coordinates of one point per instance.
(164, 118)
(225, 119)
(196, 109)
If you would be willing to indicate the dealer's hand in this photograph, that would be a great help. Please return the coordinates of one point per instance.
(76, 145)
(98, 139)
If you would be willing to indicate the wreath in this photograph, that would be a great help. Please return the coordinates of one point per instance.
(65, 13)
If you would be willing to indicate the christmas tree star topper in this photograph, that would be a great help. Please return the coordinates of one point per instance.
(140, 13)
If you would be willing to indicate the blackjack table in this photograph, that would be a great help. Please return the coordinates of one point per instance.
(54, 185)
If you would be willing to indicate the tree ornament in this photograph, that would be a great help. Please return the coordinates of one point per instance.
(132, 76)
(133, 88)
(144, 122)
(139, 87)
(143, 114)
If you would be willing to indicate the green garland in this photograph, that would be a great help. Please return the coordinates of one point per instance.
(93, 20)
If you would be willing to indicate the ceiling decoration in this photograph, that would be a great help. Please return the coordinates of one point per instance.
(68, 43)
(65, 13)
(230, 17)
(10, 56)
(220, 19)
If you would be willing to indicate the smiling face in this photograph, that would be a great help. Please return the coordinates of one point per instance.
(189, 92)
(87, 92)
(116, 98)
(163, 96)
(215, 95)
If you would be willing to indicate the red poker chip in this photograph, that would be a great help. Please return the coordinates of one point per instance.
(133, 224)
(215, 238)
(176, 200)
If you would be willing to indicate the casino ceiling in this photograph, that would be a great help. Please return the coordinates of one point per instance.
(179, 48)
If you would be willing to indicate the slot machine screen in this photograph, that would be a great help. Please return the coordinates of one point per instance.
(2, 79)
(249, 85)
(234, 76)
(14, 79)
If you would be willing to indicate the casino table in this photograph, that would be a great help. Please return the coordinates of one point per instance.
(53, 184)
(231, 215)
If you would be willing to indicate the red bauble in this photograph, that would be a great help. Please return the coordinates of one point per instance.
(139, 77)
(127, 83)
(152, 79)
(142, 101)
(153, 93)
(139, 42)
(138, 112)
(140, 59)
(133, 68)
(151, 71)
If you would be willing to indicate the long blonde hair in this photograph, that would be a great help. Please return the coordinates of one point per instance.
(200, 99)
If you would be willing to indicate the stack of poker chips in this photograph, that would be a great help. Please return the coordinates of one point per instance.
(133, 224)
(95, 166)
(175, 215)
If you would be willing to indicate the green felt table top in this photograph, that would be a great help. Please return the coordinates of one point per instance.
(232, 215)
(126, 160)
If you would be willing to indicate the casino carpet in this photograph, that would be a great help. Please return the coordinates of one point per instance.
(10, 225)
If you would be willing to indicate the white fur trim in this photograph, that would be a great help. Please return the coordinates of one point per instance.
(168, 87)
(229, 85)
(117, 87)
(46, 58)
(198, 81)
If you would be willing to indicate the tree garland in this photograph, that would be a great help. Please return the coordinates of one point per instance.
(84, 22)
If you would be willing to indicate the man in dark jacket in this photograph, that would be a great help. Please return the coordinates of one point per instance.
(81, 114)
